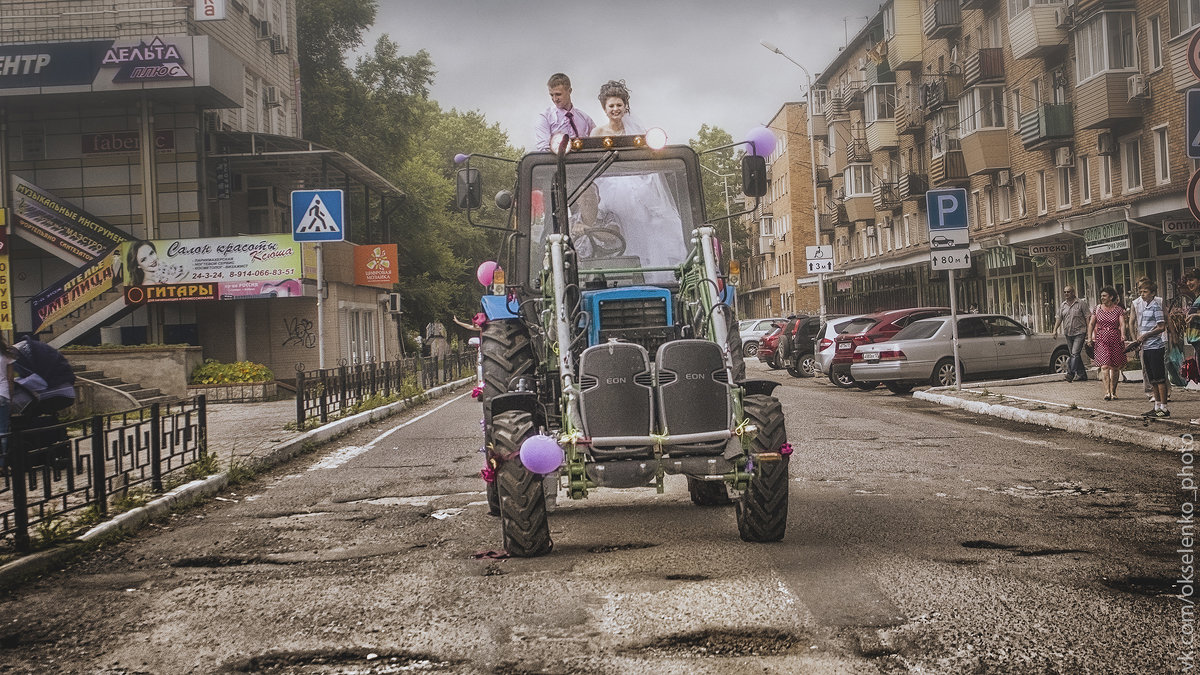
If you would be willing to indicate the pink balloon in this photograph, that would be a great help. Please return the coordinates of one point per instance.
(485, 271)
(763, 140)
(542, 454)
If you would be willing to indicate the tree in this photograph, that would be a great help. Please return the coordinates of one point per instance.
(718, 163)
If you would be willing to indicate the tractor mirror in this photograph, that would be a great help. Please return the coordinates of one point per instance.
(467, 189)
(504, 200)
(754, 175)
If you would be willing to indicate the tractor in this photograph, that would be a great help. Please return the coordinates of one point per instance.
(610, 355)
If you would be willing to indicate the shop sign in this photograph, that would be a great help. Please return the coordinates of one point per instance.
(209, 10)
(58, 223)
(144, 62)
(1056, 248)
(1180, 226)
(376, 265)
(72, 291)
(1108, 237)
(55, 64)
(137, 295)
(1000, 256)
(267, 266)
(124, 141)
(6, 321)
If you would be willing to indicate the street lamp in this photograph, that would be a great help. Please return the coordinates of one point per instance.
(725, 179)
(812, 159)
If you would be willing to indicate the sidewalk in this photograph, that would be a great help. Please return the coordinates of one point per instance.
(1079, 407)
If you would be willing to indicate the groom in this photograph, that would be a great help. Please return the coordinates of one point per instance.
(562, 117)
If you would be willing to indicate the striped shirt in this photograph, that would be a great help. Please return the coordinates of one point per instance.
(1149, 319)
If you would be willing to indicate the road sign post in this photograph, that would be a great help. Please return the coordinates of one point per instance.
(819, 259)
(317, 216)
(949, 250)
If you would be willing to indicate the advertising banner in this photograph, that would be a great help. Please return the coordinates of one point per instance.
(53, 64)
(72, 292)
(61, 224)
(222, 268)
(376, 265)
(209, 10)
(6, 320)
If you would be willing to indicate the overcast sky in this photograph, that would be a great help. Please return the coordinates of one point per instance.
(685, 63)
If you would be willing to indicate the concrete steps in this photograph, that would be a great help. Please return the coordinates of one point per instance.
(143, 395)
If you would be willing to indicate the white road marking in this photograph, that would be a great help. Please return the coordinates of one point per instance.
(343, 455)
(1026, 441)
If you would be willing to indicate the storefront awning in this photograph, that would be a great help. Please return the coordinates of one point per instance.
(295, 163)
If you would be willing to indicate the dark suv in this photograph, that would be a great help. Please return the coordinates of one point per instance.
(797, 346)
(868, 329)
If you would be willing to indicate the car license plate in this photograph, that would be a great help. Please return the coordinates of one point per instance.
(843, 346)
(871, 356)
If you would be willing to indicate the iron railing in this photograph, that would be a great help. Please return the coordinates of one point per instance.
(67, 468)
(321, 394)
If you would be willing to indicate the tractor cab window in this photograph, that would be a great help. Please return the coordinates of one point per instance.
(637, 214)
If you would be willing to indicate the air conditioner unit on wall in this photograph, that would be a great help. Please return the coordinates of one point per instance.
(277, 46)
(1137, 86)
(1106, 144)
(264, 30)
(1063, 157)
(272, 97)
(1004, 178)
(1063, 18)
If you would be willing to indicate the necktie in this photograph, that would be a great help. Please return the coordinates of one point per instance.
(571, 121)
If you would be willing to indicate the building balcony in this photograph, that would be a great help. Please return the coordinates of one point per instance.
(852, 94)
(879, 73)
(948, 168)
(1034, 32)
(1103, 101)
(910, 118)
(973, 4)
(912, 186)
(835, 107)
(820, 125)
(1049, 125)
(826, 220)
(985, 65)
(940, 91)
(858, 151)
(823, 177)
(885, 196)
(986, 151)
(860, 207)
(881, 135)
(942, 18)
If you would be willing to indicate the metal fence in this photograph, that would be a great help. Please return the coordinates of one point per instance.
(329, 392)
(66, 468)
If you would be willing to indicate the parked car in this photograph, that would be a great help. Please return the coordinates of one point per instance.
(768, 348)
(871, 328)
(987, 343)
(827, 340)
(775, 348)
(753, 330)
(799, 354)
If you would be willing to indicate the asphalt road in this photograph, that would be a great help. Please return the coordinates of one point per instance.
(921, 539)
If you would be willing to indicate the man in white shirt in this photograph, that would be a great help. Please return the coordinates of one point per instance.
(562, 117)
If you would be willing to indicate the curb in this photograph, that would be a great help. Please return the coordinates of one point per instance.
(1075, 425)
(134, 519)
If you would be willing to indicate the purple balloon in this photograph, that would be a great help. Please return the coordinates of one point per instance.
(763, 140)
(460, 158)
(542, 454)
(485, 272)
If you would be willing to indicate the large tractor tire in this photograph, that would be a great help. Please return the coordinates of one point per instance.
(708, 493)
(506, 353)
(493, 499)
(762, 510)
(522, 500)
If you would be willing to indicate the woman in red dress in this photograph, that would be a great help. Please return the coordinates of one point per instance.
(1106, 335)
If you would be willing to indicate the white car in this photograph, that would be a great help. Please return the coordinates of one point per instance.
(753, 330)
(826, 345)
(987, 343)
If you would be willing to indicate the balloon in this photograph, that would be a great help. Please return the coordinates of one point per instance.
(763, 140)
(537, 204)
(485, 271)
(541, 454)
(460, 158)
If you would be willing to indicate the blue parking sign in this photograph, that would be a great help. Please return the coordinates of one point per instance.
(946, 209)
(317, 215)
(1193, 123)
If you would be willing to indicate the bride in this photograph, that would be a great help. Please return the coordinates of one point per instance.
(614, 98)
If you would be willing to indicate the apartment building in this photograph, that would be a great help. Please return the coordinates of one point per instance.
(175, 123)
(1064, 122)
(775, 282)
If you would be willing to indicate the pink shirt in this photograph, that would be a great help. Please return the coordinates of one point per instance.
(553, 120)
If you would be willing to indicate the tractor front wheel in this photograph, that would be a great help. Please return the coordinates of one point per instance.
(522, 499)
(762, 510)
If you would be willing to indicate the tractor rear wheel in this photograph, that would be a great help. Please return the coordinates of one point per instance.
(762, 510)
(522, 500)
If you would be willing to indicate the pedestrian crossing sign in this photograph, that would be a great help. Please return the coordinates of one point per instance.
(317, 215)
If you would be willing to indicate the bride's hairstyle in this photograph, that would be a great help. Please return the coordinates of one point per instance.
(614, 88)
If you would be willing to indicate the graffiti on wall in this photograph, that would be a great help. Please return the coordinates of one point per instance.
(299, 333)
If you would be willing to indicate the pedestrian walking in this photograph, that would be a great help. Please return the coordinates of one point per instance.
(435, 337)
(1106, 334)
(1072, 319)
(1151, 323)
(1139, 305)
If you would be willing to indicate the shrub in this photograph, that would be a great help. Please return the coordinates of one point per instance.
(213, 371)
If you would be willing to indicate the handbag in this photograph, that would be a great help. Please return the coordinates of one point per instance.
(1190, 370)
(1090, 350)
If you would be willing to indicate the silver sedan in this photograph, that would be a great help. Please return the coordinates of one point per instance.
(987, 343)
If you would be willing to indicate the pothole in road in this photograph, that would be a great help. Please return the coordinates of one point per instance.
(1019, 551)
(226, 561)
(609, 548)
(686, 577)
(983, 543)
(1154, 587)
(722, 643)
(357, 662)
